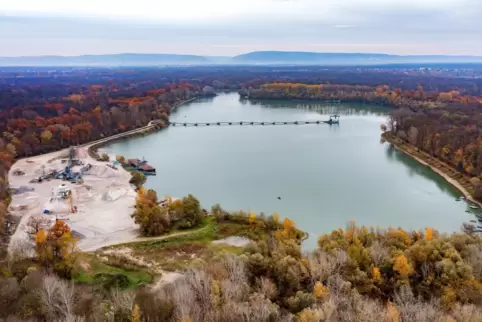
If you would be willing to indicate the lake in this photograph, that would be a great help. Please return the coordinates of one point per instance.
(324, 175)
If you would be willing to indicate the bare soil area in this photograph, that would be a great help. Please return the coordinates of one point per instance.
(104, 201)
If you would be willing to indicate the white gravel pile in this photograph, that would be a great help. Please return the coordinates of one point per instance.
(113, 195)
(102, 171)
(82, 193)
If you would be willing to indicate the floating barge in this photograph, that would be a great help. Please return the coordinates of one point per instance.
(142, 166)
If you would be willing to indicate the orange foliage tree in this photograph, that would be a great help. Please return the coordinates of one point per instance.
(56, 247)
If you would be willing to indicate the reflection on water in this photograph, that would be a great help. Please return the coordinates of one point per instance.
(324, 108)
(326, 175)
(415, 168)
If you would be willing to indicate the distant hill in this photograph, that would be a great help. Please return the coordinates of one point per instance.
(253, 58)
(105, 60)
(306, 58)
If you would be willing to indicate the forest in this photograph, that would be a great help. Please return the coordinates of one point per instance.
(355, 274)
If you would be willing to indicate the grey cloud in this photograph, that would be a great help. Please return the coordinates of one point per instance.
(348, 28)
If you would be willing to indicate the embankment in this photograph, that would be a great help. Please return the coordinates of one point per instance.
(451, 175)
(153, 126)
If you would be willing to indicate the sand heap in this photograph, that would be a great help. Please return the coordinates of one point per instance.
(102, 171)
(83, 193)
(114, 192)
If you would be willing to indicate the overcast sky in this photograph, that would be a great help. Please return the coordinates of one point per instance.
(231, 27)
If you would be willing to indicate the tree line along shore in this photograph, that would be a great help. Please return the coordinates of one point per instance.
(356, 273)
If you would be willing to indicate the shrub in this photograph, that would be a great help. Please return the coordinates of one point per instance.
(121, 159)
(110, 281)
(137, 179)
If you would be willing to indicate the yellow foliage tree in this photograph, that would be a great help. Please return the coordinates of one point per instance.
(288, 232)
(252, 218)
(402, 266)
(393, 313)
(136, 314)
(288, 224)
(446, 150)
(120, 159)
(46, 136)
(41, 237)
(377, 276)
(399, 235)
(449, 297)
(56, 245)
(428, 233)
(276, 218)
(141, 195)
(309, 315)
(320, 291)
(44, 252)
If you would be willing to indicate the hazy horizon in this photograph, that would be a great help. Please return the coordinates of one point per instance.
(232, 56)
(219, 28)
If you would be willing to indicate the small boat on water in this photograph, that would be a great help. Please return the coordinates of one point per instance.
(142, 166)
(460, 198)
(472, 206)
(147, 169)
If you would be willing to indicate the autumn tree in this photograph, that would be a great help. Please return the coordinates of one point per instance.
(376, 275)
(187, 212)
(428, 233)
(252, 218)
(402, 266)
(46, 136)
(320, 291)
(289, 231)
(57, 248)
(136, 314)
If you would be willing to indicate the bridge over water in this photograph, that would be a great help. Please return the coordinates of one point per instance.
(334, 119)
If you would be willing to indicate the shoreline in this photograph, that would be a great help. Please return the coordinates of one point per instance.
(452, 181)
(117, 190)
(147, 129)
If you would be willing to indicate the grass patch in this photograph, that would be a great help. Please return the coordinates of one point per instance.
(219, 248)
(204, 234)
(254, 232)
(195, 245)
(94, 272)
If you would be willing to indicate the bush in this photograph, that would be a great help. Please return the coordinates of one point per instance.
(120, 159)
(109, 281)
(138, 178)
(186, 213)
(105, 157)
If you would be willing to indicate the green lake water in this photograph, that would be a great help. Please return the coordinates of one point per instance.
(325, 175)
